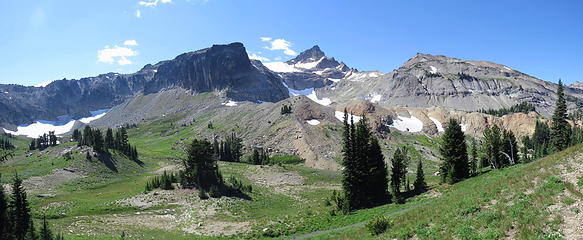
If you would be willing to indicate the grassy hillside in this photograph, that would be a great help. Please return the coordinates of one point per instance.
(540, 200)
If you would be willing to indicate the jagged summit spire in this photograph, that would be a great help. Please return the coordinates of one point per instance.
(310, 55)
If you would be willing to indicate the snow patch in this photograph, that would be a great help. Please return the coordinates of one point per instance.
(43, 84)
(375, 98)
(281, 67)
(437, 124)
(313, 122)
(340, 116)
(433, 69)
(464, 127)
(230, 103)
(41, 127)
(308, 65)
(6, 92)
(310, 93)
(334, 79)
(408, 124)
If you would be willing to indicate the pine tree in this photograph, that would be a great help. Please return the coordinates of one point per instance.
(45, 232)
(492, 144)
(349, 175)
(97, 141)
(377, 181)
(87, 136)
(200, 167)
(109, 141)
(560, 129)
(76, 135)
(5, 226)
(509, 147)
(453, 151)
(419, 184)
(474, 158)
(397, 172)
(20, 214)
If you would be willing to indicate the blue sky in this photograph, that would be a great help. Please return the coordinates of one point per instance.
(49, 40)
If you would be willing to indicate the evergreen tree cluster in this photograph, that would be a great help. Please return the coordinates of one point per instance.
(286, 109)
(200, 167)
(228, 150)
(5, 144)
(500, 147)
(259, 157)
(365, 180)
(44, 141)
(454, 154)
(163, 182)
(114, 141)
(522, 107)
(15, 217)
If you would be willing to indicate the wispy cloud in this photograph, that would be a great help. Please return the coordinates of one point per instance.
(279, 44)
(257, 57)
(130, 43)
(153, 3)
(138, 13)
(119, 54)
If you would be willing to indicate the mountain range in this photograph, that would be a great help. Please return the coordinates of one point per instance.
(424, 81)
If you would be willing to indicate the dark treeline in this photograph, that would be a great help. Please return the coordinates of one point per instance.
(522, 107)
(114, 141)
(15, 218)
(228, 150)
(163, 182)
(44, 141)
(5, 144)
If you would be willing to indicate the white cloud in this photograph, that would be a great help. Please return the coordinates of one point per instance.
(282, 44)
(257, 57)
(138, 13)
(265, 39)
(130, 43)
(109, 55)
(153, 3)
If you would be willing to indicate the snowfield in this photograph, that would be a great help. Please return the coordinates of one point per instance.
(310, 93)
(405, 124)
(340, 116)
(230, 103)
(41, 127)
(437, 124)
(313, 122)
(375, 98)
(433, 69)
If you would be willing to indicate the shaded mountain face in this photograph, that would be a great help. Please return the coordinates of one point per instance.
(428, 80)
(224, 68)
(310, 69)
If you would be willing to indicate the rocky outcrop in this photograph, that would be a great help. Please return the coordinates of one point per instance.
(427, 80)
(224, 68)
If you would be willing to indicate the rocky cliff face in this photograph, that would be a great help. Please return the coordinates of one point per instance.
(225, 68)
(427, 80)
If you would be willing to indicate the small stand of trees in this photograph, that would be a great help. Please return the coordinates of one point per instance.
(101, 144)
(228, 150)
(15, 217)
(5, 144)
(286, 109)
(44, 141)
(364, 178)
(522, 107)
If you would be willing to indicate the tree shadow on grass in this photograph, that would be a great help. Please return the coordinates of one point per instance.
(108, 160)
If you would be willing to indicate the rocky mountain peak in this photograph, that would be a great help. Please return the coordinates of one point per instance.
(311, 55)
(577, 84)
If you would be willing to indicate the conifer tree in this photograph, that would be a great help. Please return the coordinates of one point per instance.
(349, 174)
(397, 172)
(200, 167)
(87, 136)
(419, 184)
(5, 226)
(20, 214)
(108, 143)
(509, 146)
(45, 232)
(97, 141)
(560, 128)
(453, 151)
(474, 158)
(377, 181)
